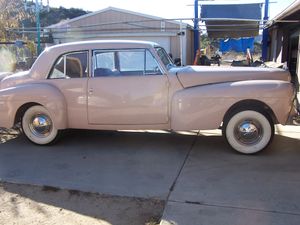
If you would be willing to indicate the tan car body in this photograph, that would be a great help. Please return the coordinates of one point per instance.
(185, 98)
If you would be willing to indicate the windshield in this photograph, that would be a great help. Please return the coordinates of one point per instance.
(165, 58)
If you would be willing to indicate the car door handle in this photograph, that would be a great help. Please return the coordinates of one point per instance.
(91, 91)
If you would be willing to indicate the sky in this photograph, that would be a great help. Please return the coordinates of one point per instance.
(168, 9)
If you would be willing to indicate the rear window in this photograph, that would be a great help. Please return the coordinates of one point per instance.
(71, 65)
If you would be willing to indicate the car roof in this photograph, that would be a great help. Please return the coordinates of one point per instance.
(46, 59)
(105, 44)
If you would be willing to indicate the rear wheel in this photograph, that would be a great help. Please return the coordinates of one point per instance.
(248, 131)
(38, 126)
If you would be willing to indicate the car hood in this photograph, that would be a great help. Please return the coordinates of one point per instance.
(15, 79)
(200, 75)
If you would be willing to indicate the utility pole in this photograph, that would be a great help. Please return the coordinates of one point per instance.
(196, 27)
(265, 32)
(38, 26)
(37, 10)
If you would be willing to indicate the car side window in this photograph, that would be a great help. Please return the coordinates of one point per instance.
(152, 67)
(105, 60)
(70, 65)
(133, 62)
(104, 63)
(138, 62)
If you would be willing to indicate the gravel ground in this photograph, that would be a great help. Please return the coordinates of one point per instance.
(8, 134)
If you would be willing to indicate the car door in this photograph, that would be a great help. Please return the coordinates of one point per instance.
(127, 88)
(70, 75)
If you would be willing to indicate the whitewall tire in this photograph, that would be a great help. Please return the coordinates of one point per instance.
(248, 131)
(38, 126)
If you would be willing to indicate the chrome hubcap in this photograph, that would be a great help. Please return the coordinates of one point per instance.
(248, 132)
(40, 125)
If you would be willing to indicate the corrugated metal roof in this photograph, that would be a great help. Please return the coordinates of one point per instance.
(66, 22)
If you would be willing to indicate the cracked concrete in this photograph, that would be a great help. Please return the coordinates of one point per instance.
(217, 186)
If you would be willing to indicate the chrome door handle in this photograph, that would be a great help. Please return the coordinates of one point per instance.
(91, 91)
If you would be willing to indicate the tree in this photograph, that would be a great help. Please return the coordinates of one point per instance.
(205, 42)
(12, 13)
(55, 15)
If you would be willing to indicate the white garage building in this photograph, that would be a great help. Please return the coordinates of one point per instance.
(114, 23)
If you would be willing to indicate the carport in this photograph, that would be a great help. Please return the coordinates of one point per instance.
(227, 20)
(283, 45)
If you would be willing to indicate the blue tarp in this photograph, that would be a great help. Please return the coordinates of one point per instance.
(238, 45)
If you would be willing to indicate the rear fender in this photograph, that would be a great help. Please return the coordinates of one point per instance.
(12, 99)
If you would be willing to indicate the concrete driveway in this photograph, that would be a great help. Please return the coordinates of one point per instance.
(201, 179)
(115, 163)
(218, 187)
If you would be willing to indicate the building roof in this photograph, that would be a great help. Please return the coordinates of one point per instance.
(294, 7)
(150, 17)
(291, 13)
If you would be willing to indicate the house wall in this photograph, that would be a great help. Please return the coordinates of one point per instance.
(190, 47)
(284, 47)
(285, 40)
(114, 21)
(115, 24)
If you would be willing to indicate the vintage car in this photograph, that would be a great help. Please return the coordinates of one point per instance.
(115, 85)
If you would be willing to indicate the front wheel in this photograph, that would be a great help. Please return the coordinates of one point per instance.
(248, 131)
(38, 126)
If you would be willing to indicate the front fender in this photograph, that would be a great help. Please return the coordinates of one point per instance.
(204, 107)
(11, 99)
